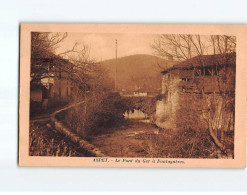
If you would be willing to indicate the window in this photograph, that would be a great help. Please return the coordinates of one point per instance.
(186, 79)
(205, 71)
(215, 70)
(197, 72)
(208, 72)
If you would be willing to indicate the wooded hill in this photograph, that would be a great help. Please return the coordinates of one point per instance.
(137, 72)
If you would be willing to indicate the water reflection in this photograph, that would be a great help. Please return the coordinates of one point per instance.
(137, 114)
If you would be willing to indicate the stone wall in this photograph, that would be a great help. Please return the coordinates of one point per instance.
(59, 126)
(183, 106)
(167, 107)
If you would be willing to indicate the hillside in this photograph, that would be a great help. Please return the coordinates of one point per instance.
(137, 72)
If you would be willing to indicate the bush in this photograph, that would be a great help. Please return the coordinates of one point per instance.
(111, 110)
(100, 111)
(189, 114)
(182, 144)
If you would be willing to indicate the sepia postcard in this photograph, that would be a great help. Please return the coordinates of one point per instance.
(133, 95)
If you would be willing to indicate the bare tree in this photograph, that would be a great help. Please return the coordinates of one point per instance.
(91, 83)
(43, 49)
(221, 48)
(220, 116)
(180, 47)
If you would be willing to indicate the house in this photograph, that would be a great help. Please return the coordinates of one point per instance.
(140, 93)
(146, 91)
(50, 79)
(194, 83)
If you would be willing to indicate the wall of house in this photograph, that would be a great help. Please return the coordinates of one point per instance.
(183, 106)
(167, 107)
(62, 89)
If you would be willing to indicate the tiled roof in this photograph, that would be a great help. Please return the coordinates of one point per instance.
(47, 55)
(205, 61)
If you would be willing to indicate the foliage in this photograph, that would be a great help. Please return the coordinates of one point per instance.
(102, 110)
(184, 144)
(44, 141)
(145, 104)
(184, 47)
(189, 114)
(99, 112)
(43, 47)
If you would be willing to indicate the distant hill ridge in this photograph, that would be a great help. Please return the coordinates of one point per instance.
(137, 71)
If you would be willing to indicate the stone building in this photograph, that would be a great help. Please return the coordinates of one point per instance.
(190, 88)
(50, 79)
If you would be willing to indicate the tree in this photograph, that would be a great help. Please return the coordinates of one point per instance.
(222, 50)
(91, 84)
(44, 61)
(76, 63)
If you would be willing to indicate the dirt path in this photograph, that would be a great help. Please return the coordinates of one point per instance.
(129, 141)
(47, 116)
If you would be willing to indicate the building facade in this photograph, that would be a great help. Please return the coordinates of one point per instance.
(50, 80)
(191, 88)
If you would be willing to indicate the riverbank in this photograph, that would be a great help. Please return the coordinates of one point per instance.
(44, 140)
(144, 140)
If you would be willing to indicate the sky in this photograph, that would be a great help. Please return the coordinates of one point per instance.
(103, 46)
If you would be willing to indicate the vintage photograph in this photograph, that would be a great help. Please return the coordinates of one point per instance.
(123, 95)
(132, 95)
